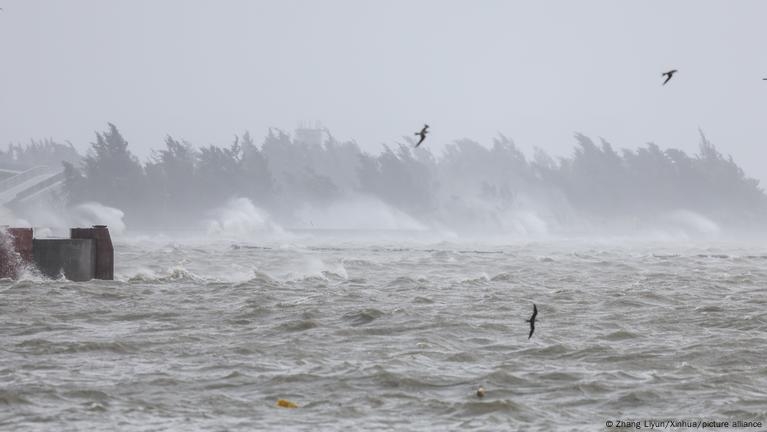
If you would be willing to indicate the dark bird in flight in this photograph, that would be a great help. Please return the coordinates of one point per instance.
(668, 74)
(532, 321)
(422, 134)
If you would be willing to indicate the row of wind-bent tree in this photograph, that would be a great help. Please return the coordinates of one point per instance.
(469, 185)
(36, 153)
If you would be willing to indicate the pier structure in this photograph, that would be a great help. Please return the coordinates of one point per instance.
(87, 254)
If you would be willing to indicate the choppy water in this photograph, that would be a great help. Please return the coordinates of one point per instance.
(201, 336)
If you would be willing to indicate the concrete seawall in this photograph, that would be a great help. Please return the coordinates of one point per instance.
(74, 258)
(104, 251)
(88, 254)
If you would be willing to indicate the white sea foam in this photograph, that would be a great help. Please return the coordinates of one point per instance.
(239, 219)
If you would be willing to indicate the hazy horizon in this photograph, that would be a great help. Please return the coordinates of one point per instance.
(374, 72)
(248, 190)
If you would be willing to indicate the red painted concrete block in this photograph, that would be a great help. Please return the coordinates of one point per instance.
(104, 249)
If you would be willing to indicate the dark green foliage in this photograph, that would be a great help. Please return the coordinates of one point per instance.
(181, 184)
(256, 181)
(171, 171)
(400, 178)
(112, 176)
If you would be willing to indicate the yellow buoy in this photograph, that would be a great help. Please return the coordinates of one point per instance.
(481, 392)
(286, 403)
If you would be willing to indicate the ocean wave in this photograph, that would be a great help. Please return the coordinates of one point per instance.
(297, 325)
(620, 335)
(480, 280)
(362, 317)
(43, 346)
(10, 397)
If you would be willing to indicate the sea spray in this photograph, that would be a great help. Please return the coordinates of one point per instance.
(10, 260)
(694, 223)
(93, 213)
(50, 220)
(359, 212)
(7, 217)
(240, 219)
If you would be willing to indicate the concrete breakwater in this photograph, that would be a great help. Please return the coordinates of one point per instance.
(87, 254)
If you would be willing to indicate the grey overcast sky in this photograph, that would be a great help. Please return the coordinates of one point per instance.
(373, 71)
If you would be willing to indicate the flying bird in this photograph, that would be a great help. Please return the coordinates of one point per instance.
(669, 74)
(532, 321)
(422, 134)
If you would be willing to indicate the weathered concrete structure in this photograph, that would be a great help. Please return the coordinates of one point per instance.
(88, 254)
(75, 259)
(105, 256)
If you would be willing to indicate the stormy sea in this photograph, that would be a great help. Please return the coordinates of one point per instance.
(393, 332)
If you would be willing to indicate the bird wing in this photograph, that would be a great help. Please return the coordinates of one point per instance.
(532, 329)
(423, 137)
(535, 312)
(669, 77)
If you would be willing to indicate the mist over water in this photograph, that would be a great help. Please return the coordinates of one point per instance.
(356, 213)
(313, 182)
